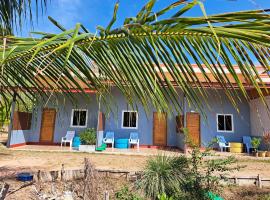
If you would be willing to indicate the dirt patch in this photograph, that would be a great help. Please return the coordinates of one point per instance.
(12, 161)
(246, 193)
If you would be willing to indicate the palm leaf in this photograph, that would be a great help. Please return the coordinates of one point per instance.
(148, 59)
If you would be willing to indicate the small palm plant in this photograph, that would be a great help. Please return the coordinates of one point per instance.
(163, 175)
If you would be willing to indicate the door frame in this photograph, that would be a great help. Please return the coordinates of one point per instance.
(166, 138)
(199, 125)
(41, 126)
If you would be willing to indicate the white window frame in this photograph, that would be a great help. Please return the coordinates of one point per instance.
(137, 119)
(71, 119)
(224, 131)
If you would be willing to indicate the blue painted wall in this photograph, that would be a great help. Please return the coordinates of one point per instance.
(19, 136)
(63, 117)
(219, 104)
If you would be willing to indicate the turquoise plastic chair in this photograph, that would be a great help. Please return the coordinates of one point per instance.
(109, 138)
(222, 143)
(247, 143)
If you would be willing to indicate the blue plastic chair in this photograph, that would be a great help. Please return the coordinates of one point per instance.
(222, 143)
(109, 138)
(247, 143)
(134, 139)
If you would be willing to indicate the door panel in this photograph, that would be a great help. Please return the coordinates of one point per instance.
(47, 125)
(193, 125)
(160, 129)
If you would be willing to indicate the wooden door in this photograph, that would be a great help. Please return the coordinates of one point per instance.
(47, 125)
(160, 129)
(193, 125)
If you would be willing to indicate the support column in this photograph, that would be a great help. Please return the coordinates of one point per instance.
(10, 127)
(185, 120)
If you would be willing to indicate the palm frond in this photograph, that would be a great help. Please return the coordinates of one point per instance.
(148, 59)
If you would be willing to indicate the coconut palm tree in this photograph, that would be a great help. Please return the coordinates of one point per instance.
(13, 13)
(148, 58)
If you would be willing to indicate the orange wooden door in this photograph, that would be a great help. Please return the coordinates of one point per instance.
(47, 125)
(193, 125)
(160, 129)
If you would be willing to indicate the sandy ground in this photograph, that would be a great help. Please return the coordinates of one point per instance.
(13, 161)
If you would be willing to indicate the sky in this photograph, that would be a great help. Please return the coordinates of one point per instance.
(91, 13)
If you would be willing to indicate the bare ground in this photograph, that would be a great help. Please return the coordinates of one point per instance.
(12, 161)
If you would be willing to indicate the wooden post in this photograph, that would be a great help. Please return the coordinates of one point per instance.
(259, 181)
(3, 191)
(63, 172)
(10, 127)
(106, 195)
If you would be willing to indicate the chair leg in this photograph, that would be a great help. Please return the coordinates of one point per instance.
(70, 145)
(61, 144)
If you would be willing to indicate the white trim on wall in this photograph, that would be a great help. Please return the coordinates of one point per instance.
(71, 119)
(224, 131)
(137, 119)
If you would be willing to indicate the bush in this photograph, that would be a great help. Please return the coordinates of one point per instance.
(185, 177)
(126, 194)
(88, 136)
(255, 142)
(163, 174)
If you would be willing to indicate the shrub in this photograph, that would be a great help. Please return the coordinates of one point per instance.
(126, 194)
(163, 174)
(255, 142)
(88, 136)
(185, 177)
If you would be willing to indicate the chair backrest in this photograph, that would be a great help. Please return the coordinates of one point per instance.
(110, 135)
(247, 140)
(134, 136)
(70, 135)
(221, 139)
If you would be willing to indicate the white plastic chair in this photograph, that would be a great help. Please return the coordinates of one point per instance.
(222, 143)
(68, 138)
(134, 139)
(109, 138)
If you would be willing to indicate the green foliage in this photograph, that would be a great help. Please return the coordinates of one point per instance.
(176, 40)
(163, 174)
(88, 136)
(255, 142)
(164, 197)
(185, 177)
(126, 194)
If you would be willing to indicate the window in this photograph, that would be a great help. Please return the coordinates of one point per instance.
(130, 119)
(224, 123)
(79, 118)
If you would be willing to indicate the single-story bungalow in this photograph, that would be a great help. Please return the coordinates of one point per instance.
(51, 119)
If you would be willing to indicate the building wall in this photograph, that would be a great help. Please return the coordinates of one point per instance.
(19, 137)
(259, 116)
(63, 116)
(218, 104)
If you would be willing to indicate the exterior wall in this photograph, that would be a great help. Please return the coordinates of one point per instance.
(259, 116)
(63, 116)
(19, 137)
(145, 123)
(218, 104)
